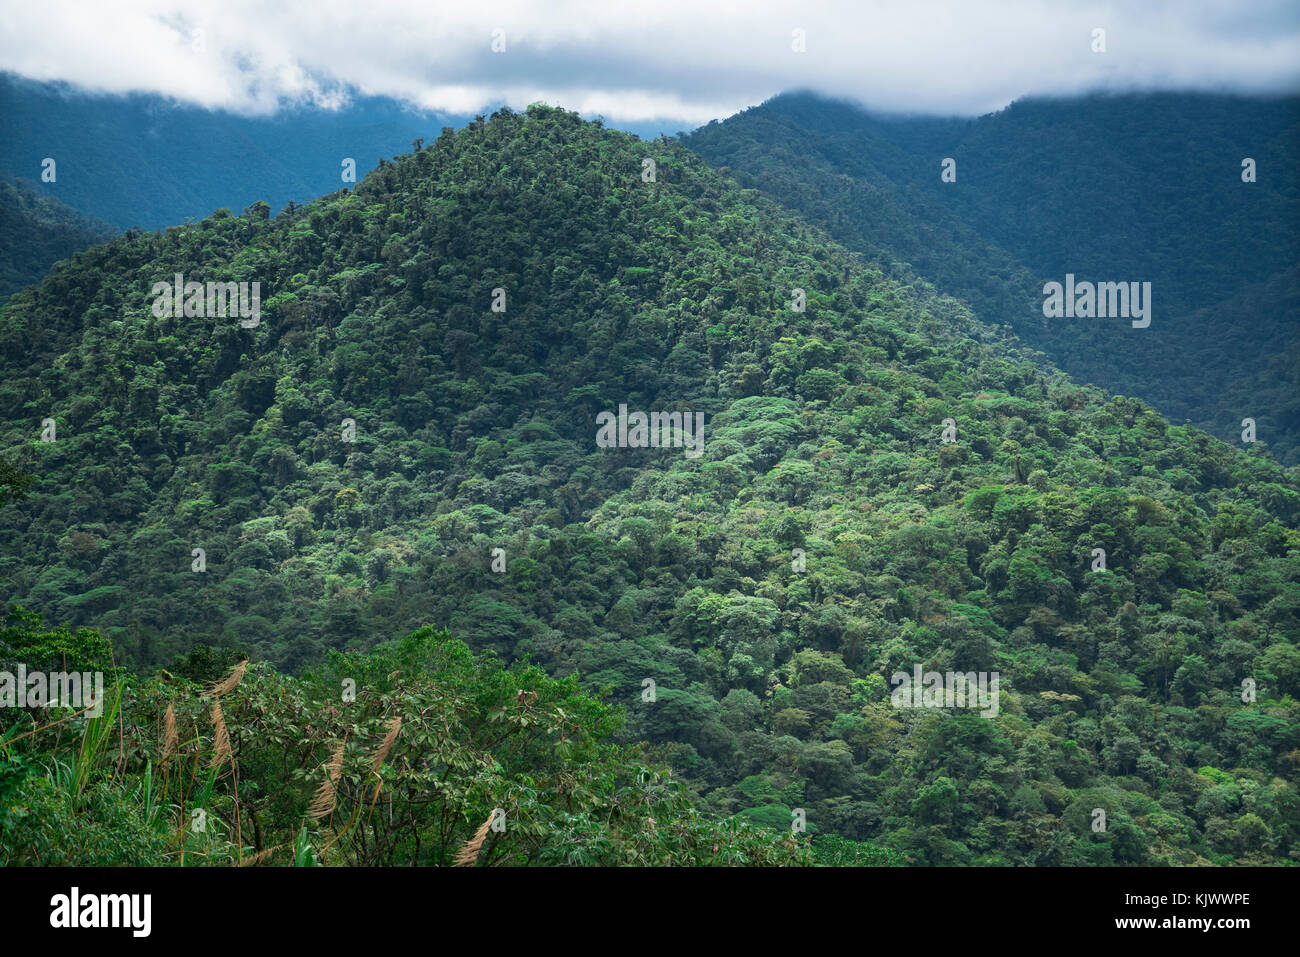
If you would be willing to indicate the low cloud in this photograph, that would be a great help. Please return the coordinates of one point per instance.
(682, 62)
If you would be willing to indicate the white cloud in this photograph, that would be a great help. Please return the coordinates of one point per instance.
(659, 60)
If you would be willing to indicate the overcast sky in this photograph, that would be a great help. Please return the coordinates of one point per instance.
(642, 60)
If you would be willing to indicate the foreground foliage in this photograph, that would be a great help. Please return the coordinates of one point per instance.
(436, 745)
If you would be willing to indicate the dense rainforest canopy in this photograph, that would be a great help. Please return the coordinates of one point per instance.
(887, 482)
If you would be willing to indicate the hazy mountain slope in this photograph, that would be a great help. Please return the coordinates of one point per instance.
(143, 161)
(1244, 377)
(37, 231)
(1123, 188)
(827, 537)
(856, 194)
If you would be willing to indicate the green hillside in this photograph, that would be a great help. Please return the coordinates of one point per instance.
(745, 608)
(1141, 187)
(36, 232)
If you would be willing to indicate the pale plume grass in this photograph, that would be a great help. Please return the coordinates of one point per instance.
(169, 733)
(468, 854)
(230, 683)
(327, 794)
(260, 856)
(394, 728)
(221, 737)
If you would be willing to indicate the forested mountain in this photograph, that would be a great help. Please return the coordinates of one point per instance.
(1139, 187)
(37, 231)
(408, 436)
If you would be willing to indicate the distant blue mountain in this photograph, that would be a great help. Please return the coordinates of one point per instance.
(143, 160)
(146, 161)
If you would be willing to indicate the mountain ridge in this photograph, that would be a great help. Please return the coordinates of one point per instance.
(1127, 201)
